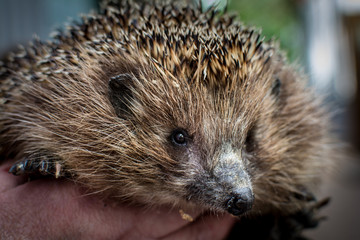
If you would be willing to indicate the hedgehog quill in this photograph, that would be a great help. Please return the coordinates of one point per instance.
(166, 105)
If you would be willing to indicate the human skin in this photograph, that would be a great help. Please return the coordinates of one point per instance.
(58, 209)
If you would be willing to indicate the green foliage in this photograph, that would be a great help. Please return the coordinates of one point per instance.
(278, 19)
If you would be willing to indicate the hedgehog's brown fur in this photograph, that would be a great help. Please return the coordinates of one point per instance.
(189, 70)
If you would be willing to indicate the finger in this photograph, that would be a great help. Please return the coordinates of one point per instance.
(7, 180)
(48, 209)
(208, 227)
(140, 222)
(25, 211)
(162, 221)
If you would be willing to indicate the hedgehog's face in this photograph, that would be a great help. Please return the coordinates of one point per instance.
(220, 149)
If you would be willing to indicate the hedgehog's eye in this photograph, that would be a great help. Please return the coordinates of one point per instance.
(179, 137)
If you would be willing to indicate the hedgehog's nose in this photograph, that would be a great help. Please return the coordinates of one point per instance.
(240, 201)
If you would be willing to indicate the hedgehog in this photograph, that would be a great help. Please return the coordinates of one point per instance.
(165, 104)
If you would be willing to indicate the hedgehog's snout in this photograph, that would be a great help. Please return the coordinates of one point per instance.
(234, 182)
(240, 201)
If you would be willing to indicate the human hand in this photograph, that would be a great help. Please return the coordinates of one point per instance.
(56, 209)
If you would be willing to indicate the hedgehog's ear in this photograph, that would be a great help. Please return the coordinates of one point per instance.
(120, 93)
(276, 87)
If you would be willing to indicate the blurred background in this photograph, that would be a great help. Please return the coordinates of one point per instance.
(322, 37)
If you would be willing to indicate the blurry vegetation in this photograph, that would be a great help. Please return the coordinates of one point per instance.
(278, 19)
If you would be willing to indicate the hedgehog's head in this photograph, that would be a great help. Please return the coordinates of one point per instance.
(189, 138)
(245, 141)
